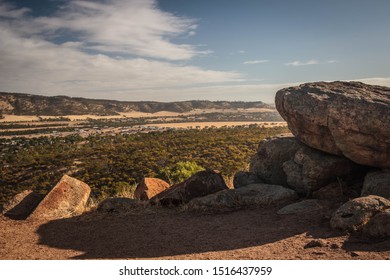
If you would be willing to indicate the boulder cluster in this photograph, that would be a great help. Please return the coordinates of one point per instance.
(338, 154)
(339, 150)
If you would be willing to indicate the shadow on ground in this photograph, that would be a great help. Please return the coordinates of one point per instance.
(358, 243)
(170, 232)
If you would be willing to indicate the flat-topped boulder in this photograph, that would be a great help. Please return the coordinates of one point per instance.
(341, 118)
(149, 187)
(68, 198)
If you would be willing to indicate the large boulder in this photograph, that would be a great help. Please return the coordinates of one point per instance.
(377, 183)
(22, 205)
(354, 214)
(150, 187)
(311, 169)
(68, 198)
(259, 195)
(201, 184)
(341, 118)
(267, 163)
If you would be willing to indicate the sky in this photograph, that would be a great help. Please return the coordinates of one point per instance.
(175, 50)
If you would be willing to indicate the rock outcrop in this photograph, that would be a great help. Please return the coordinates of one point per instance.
(150, 187)
(340, 118)
(354, 214)
(68, 198)
(259, 195)
(201, 184)
(377, 183)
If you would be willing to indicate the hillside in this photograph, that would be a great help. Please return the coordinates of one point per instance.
(28, 104)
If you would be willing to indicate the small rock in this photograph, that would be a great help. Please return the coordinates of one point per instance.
(354, 254)
(150, 187)
(334, 246)
(315, 243)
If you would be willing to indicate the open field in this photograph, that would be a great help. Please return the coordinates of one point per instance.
(31, 118)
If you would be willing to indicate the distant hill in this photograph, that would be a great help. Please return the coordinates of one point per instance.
(28, 104)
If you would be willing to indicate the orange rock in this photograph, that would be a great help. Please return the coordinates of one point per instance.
(150, 187)
(68, 198)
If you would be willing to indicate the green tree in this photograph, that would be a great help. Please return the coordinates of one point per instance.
(180, 171)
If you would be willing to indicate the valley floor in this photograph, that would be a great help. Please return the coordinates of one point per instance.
(173, 234)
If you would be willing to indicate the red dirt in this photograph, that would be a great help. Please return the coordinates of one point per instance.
(173, 234)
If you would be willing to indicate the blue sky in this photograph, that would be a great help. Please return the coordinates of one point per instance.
(168, 50)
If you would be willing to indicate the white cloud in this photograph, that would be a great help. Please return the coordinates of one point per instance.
(34, 65)
(300, 63)
(137, 31)
(133, 27)
(310, 62)
(255, 61)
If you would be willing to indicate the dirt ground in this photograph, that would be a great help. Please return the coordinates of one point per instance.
(173, 234)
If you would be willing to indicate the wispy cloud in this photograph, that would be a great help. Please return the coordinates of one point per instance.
(300, 63)
(133, 52)
(9, 11)
(255, 61)
(310, 62)
(133, 27)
